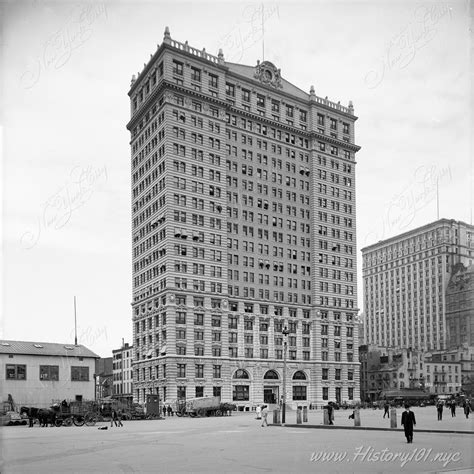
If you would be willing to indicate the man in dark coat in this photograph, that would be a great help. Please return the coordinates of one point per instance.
(439, 407)
(453, 408)
(467, 408)
(386, 407)
(408, 422)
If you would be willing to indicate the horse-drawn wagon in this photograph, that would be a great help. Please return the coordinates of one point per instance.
(202, 406)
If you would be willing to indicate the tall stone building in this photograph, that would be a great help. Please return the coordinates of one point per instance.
(243, 199)
(405, 280)
(460, 306)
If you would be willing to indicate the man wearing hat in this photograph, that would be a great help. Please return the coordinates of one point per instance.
(408, 422)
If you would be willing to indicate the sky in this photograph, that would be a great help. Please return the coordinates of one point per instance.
(65, 175)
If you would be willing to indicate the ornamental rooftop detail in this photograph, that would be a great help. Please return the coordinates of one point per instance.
(264, 72)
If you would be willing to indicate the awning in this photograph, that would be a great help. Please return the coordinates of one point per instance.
(406, 394)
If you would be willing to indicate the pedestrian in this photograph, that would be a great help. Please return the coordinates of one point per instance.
(170, 411)
(259, 412)
(164, 410)
(330, 409)
(386, 408)
(408, 422)
(30, 417)
(264, 415)
(113, 418)
(467, 408)
(453, 408)
(439, 408)
(119, 417)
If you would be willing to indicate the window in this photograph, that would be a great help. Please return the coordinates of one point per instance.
(181, 370)
(195, 74)
(181, 393)
(80, 374)
(270, 375)
(198, 350)
(199, 371)
(260, 100)
(230, 89)
(213, 80)
(15, 372)
(177, 68)
(240, 393)
(241, 374)
(245, 95)
(199, 392)
(217, 371)
(299, 375)
(299, 392)
(49, 372)
(216, 391)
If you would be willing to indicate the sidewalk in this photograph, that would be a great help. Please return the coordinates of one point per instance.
(426, 420)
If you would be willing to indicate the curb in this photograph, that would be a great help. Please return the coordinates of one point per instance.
(369, 428)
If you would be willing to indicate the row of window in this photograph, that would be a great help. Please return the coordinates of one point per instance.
(46, 373)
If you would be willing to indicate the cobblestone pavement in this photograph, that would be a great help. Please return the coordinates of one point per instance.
(232, 444)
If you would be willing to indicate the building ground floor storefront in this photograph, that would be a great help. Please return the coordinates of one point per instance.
(249, 383)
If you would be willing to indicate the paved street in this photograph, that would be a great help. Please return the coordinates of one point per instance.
(229, 444)
(426, 418)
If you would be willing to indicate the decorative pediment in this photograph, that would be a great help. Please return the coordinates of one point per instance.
(268, 74)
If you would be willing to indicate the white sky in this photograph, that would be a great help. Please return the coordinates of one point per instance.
(66, 70)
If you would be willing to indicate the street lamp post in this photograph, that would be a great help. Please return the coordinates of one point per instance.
(285, 333)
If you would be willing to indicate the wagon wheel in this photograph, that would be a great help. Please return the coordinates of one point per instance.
(78, 420)
(179, 413)
(58, 422)
(67, 421)
(90, 420)
(218, 413)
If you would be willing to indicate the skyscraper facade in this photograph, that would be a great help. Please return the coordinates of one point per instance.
(405, 279)
(243, 207)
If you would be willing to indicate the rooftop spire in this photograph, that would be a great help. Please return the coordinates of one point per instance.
(167, 36)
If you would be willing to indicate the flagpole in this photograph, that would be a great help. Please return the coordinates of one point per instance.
(75, 323)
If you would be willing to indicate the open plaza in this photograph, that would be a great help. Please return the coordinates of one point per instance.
(239, 443)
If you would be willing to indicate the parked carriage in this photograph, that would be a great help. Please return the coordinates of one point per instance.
(76, 412)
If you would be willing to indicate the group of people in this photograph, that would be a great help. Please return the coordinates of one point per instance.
(168, 410)
(116, 418)
(451, 404)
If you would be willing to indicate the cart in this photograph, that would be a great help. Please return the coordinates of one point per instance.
(75, 412)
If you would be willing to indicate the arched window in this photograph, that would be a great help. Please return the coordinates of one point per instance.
(241, 374)
(271, 375)
(299, 376)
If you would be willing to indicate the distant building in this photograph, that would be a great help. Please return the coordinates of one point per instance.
(451, 371)
(460, 306)
(38, 373)
(386, 370)
(122, 372)
(104, 377)
(405, 280)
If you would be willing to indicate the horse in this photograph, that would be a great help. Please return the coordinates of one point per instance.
(31, 412)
